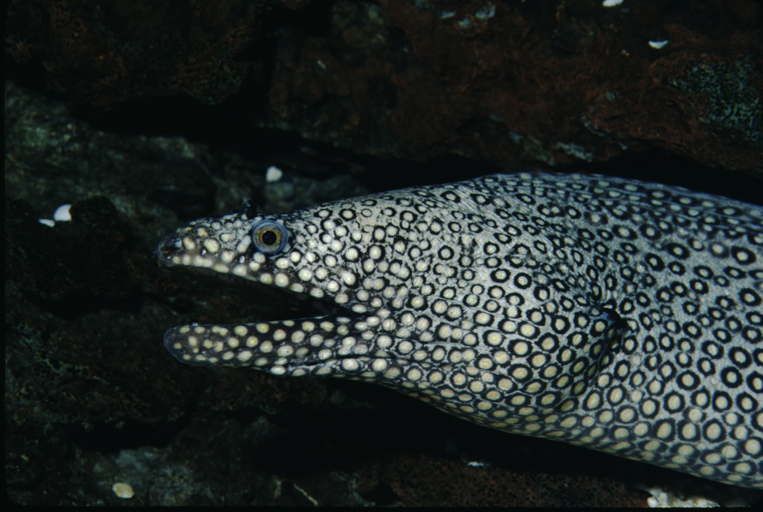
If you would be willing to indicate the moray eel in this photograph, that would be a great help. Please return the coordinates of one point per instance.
(608, 313)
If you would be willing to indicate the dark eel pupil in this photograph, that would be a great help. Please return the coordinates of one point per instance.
(269, 238)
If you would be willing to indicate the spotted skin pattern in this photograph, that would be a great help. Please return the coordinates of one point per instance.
(608, 313)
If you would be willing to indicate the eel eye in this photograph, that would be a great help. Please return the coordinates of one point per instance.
(270, 237)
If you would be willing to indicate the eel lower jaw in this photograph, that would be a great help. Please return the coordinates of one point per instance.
(309, 342)
(305, 317)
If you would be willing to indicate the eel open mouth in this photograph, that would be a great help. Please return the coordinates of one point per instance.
(319, 334)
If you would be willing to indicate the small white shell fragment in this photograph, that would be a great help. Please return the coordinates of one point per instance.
(662, 499)
(62, 213)
(273, 174)
(123, 490)
(47, 222)
(658, 44)
(611, 3)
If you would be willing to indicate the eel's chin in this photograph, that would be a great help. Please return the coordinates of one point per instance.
(274, 346)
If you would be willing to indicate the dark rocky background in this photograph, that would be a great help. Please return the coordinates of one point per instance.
(145, 114)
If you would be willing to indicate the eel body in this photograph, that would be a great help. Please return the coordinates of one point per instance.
(612, 314)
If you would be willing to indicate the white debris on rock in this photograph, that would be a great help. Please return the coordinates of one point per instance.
(662, 499)
(48, 222)
(611, 3)
(658, 44)
(62, 213)
(123, 490)
(273, 174)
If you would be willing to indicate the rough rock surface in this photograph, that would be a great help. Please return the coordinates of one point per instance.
(504, 82)
(92, 397)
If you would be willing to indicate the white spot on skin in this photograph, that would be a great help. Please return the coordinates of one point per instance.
(242, 247)
(350, 364)
(348, 278)
(211, 245)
